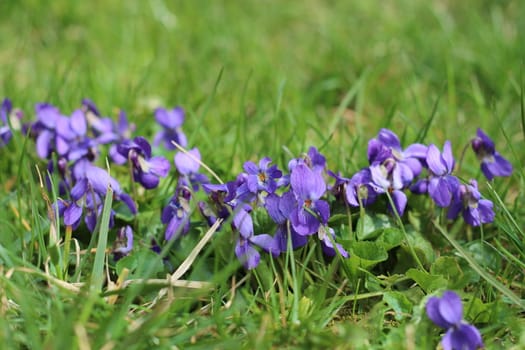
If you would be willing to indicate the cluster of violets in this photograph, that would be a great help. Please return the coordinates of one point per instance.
(297, 201)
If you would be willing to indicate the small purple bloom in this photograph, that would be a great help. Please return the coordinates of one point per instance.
(441, 184)
(8, 115)
(386, 179)
(262, 177)
(311, 212)
(247, 241)
(177, 215)
(476, 211)
(407, 162)
(360, 189)
(327, 238)
(492, 163)
(447, 312)
(279, 209)
(313, 159)
(146, 169)
(123, 244)
(171, 122)
(188, 165)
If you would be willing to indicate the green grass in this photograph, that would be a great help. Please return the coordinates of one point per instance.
(267, 78)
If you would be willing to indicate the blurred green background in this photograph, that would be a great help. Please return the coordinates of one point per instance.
(258, 75)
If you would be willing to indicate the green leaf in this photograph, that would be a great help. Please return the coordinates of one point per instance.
(366, 254)
(457, 276)
(129, 262)
(429, 282)
(421, 245)
(371, 226)
(401, 305)
(391, 238)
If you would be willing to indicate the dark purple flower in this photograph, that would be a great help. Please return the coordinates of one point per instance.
(262, 177)
(308, 186)
(8, 115)
(360, 190)
(177, 215)
(87, 196)
(492, 163)
(467, 199)
(146, 169)
(279, 209)
(123, 244)
(247, 241)
(447, 312)
(171, 122)
(440, 185)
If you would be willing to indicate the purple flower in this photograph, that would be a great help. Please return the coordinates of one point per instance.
(98, 125)
(440, 185)
(311, 212)
(8, 115)
(171, 122)
(121, 132)
(467, 199)
(177, 215)
(386, 179)
(313, 159)
(492, 163)
(87, 195)
(188, 165)
(327, 238)
(247, 241)
(123, 244)
(262, 177)
(407, 162)
(146, 169)
(360, 189)
(279, 209)
(447, 312)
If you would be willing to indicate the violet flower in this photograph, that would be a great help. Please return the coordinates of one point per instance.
(177, 215)
(310, 213)
(447, 312)
(247, 241)
(476, 211)
(407, 162)
(327, 237)
(313, 159)
(8, 115)
(146, 169)
(279, 208)
(360, 189)
(188, 165)
(386, 179)
(171, 122)
(492, 163)
(262, 177)
(441, 184)
(123, 244)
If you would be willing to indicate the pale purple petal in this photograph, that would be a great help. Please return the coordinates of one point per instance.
(451, 308)
(187, 163)
(307, 184)
(439, 191)
(435, 162)
(267, 243)
(246, 254)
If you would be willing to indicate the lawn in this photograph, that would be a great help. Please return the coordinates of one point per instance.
(106, 244)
